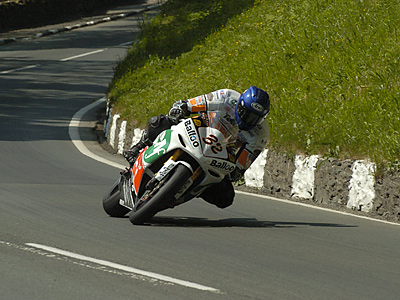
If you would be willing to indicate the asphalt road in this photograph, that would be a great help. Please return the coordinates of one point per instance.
(57, 243)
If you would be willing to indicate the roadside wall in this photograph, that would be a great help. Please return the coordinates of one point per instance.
(348, 185)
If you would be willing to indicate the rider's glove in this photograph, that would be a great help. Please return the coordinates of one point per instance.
(179, 109)
(176, 112)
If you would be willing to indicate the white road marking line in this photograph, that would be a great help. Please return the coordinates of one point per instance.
(64, 59)
(82, 55)
(316, 207)
(124, 268)
(73, 131)
(127, 43)
(19, 69)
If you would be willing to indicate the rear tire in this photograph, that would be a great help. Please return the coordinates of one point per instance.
(111, 202)
(163, 197)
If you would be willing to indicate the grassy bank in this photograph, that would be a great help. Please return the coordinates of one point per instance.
(331, 68)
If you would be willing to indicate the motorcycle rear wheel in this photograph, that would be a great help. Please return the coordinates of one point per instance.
(111, 202)
(163, 197)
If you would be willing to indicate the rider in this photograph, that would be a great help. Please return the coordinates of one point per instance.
(242, 115)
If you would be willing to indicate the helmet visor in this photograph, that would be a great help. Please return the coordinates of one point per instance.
(247, 116)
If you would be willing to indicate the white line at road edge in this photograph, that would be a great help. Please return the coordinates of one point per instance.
(73, 131)
(75, 137)
(316, 207)
(124, 268)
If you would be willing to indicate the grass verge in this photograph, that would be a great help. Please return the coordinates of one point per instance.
(331, 68)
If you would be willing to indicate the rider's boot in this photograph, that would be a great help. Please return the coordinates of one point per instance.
(131, 154)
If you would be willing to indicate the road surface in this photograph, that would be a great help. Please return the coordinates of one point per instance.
(56, 242)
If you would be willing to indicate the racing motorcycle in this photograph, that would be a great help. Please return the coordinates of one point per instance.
(182, 162)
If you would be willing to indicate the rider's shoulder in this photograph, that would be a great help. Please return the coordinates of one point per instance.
(230, 93)
(227, 96)
(223, 94)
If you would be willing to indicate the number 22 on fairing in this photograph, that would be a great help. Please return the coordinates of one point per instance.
(210, 138)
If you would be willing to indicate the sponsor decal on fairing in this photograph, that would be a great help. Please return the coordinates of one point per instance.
(192, 134)
(222, 165)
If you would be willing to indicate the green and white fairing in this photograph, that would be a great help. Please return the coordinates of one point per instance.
(207, 145)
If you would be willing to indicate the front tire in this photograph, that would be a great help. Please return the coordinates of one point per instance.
(167, 189)
(111, 202)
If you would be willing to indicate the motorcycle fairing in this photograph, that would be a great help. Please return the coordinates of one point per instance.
(159, 147)
(206, 145)
(137, 171)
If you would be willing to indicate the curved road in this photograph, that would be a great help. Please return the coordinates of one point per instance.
(57, 243)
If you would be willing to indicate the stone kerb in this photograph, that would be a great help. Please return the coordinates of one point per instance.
(343, 185)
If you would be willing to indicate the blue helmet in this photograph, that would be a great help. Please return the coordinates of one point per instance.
(251, 108)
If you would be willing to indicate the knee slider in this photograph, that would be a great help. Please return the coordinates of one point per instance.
(154, 122)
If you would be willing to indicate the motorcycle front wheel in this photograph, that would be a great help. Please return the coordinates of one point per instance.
(111, 201)
(166, 191)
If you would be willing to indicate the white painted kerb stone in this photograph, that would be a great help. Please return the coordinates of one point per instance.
(113, 130)
(254, 176)
(303, 177)
(361, 187)
(137, 134)
(121, 137)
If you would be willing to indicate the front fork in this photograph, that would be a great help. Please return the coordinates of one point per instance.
(199, 171)
(165, 169)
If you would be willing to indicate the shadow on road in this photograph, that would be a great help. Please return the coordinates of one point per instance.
(233, 222)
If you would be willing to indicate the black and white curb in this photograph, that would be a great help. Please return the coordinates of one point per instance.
(85, 24)
(348, 184)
